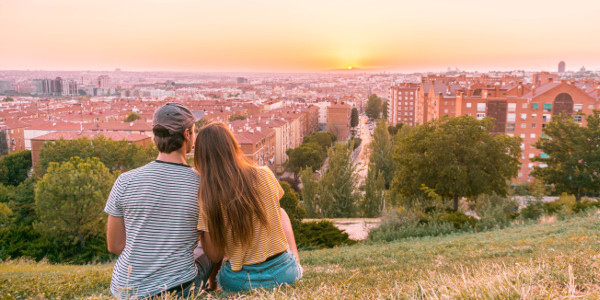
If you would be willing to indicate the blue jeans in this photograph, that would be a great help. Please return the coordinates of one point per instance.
(283, 269)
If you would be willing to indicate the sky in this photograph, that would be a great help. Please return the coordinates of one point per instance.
(305, 36)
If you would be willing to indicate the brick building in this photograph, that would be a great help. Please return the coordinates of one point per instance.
(338, 120)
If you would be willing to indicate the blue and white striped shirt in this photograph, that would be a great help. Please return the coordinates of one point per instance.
(159, 205)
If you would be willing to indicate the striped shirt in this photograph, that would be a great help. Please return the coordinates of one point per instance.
(267, 240)
(160, 208)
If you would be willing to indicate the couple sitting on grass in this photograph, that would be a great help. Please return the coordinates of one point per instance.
(159, 212)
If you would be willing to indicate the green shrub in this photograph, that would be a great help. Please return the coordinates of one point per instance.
(398, 223)
(495, 211)
(585, 204)
(322, 234)
(459, 220)
(563, 204)
(533, 211)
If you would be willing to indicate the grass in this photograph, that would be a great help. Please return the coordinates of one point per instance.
(556, 260)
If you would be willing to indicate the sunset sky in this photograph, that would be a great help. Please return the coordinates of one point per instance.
(308, 35)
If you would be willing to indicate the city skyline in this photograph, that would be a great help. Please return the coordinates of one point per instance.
(269, 36)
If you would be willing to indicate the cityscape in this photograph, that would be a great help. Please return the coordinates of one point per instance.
(271, 113)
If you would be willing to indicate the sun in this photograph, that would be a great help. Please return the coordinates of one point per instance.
(350, 67)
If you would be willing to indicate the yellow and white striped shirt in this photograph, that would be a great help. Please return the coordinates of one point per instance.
(267, 240)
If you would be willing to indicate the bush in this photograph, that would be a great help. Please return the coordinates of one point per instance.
(398, 223)
(495, 211)
(533, 211)
(322, 234)
(585, 204)
(564, 203)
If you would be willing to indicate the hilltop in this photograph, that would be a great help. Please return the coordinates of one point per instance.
(551, 260)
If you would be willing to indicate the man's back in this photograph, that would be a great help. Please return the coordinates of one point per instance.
(159, 206)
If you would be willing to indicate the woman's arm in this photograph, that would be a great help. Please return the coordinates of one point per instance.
(115, 234)
(215, 255)
(289, 233)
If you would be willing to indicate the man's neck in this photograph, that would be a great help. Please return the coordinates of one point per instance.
(177, 157)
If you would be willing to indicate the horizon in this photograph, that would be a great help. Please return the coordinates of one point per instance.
(266, 36)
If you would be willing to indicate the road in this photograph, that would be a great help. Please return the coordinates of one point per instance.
(362, 159)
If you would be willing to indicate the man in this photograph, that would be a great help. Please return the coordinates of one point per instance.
(153, 213)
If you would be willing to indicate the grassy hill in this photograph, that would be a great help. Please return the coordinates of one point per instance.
(540, 261)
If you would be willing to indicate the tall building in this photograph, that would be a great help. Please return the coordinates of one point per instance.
(338, 120)
(561, 67)
(402, 103)
(103, 81)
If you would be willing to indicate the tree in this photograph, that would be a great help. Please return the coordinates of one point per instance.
(354, 117)
(306, 155)
(290, 203)
(8, 99)
(382, 152)
(571, 154)
(132, 116)
(374, 200)
(309, 191)
(115, 155)
(384, 110)
(236, 117)
(324, 139)
(14, 167)
(3, 143)
(394, 129)
(201, 123)
(70, 199)
(337, 188)
(373, 107)
(456, 157)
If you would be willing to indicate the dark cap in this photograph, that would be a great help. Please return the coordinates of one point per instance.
(175, 117)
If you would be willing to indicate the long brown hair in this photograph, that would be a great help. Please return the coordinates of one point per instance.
(227, 186)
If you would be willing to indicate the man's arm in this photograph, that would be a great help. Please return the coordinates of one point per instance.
(289, 233)
(115, 234)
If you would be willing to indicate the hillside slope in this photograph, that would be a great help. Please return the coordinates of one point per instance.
(554, 260)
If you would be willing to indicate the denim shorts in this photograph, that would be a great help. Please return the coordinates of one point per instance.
(283, 269)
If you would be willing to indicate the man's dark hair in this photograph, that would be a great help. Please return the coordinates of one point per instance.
(167, 142)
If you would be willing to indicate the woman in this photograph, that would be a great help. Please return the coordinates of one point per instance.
(240, 218)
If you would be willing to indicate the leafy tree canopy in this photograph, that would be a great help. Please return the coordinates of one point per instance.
(373, 110)
(132, 116)
(116, 155)
(307, 155)
(14, 167)
(237, 117)
(572, 155)
(382, 152)
(456, 157)
(70, 198)
(354, 117)
(324, 139)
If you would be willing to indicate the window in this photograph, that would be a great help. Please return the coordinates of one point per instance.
(546, 118)
(532, 135)
(523, 125)
(510, 127)
(534, 106)
(468, 104)
(577, 118)
(510, 117)
(480, 116)
(520, 174)
(547, 107)
(522, 135)
(523, 117)
(591, 106)
(445, 102)
(531, 155)
(522, 146)
(533, 116)
(411, 93)
(445, 111)
(480, 106)
(577, 107)
(512, 107)
(544, 155)
(524, 105)
(530, 165)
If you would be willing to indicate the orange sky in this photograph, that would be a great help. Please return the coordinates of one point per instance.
(308, 35)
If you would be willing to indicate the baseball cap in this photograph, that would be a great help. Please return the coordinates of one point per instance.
(175, 117)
